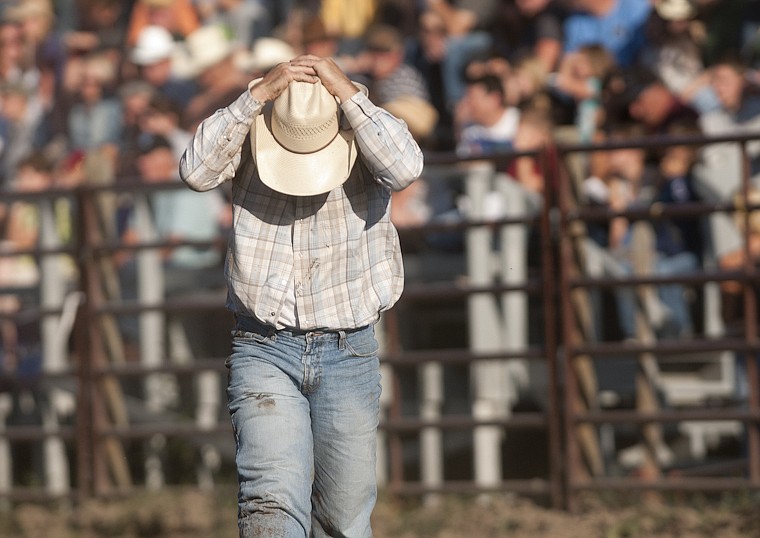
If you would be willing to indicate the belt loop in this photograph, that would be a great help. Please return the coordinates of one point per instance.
(341, 340)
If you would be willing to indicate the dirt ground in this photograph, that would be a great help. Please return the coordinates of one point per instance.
(189, 513)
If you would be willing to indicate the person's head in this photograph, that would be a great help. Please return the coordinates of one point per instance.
(36, 18)
(156, 162)
(152, 54)
(594, 7)
(385, 46)
(432, 35)
(676, 161)
(627, 163)
(161, 116)
(98, 73)
(207, 55)
(316, 40)
(11, 45)
(534, 129)
(484, 97)
(103, 13)
(162, 13)
(594, 61)
(34, 173)
(14, 100)
(652, 103)
(727, 79)
(135, 97)
(529, 8)
(524, 83)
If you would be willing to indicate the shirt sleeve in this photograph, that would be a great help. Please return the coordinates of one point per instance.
(385, 144)
(214, 152)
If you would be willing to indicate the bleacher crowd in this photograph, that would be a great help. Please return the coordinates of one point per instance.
(104, 91)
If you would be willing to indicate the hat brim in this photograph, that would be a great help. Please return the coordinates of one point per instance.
(301, 174)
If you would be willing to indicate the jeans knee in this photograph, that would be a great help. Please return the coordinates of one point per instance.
(268, 518)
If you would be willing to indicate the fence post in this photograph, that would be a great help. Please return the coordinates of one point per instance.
(484, 329)
(52, 293)
(159, 389)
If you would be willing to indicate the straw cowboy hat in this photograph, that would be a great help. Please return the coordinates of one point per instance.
(298, 143)
(676, 10)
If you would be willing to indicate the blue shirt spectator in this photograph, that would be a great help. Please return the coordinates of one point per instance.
(618, 25)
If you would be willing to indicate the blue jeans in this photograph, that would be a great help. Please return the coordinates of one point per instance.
(671, 295)
(305, 410)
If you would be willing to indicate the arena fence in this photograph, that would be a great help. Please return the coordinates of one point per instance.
(497, 375)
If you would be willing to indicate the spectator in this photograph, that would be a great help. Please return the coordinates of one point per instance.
(396, 86)
(210, 57)
(467, 23)
(21, 122)
(95, 118)
(315, 39)
(162, 119)
(102, 29)
(246, 20)
(676, 243)
(44, 51)
(426, 52)
(581, 75)
(739, 112)
(348, 19)
(135, 97)
(264, 55)
(720, 170)
(13, 69)
(652, 104)
(154, 54)
(490, 125)
(178, 214)
(617, 25)
(534, 131)
(178, 16)
(531, 28)
(674, 53)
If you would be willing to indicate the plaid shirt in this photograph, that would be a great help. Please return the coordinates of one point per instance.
(338, 253)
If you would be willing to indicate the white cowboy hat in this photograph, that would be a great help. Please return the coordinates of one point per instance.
(206, 46)
(298, 144)
(154, 44)
(676, 10)
(265, 54)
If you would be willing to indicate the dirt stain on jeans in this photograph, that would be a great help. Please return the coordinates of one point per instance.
(269, 525)
(265, 401)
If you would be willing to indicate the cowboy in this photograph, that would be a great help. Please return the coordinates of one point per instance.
(312, 262)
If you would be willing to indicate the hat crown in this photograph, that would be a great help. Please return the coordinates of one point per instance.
(305, 117)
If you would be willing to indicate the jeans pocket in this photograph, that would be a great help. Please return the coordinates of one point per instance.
(362, 343)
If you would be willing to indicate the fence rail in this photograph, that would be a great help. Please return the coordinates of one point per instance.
(492, 368)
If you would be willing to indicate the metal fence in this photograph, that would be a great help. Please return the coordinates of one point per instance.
(494, 375)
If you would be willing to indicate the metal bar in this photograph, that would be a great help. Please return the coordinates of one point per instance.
(524, 487)
(548, 163)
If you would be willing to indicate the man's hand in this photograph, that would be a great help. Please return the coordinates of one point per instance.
(277, 79)
(305, 68)
(332, 76)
